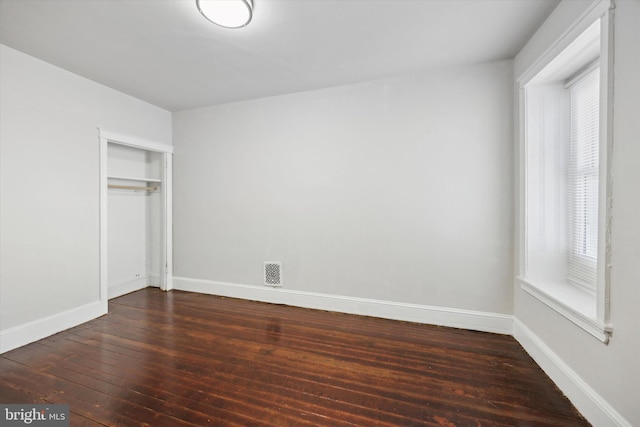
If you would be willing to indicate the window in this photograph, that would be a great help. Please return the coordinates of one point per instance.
(564, 147)
(583, 178)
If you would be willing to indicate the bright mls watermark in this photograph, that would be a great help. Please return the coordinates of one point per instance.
(34, 415)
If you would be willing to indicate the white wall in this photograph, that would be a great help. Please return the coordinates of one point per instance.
(396, 190)
(49, 182)
(612, 372)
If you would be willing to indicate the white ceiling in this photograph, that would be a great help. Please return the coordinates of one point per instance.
(166, 53)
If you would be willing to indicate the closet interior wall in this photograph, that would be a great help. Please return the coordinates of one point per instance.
(135, 219)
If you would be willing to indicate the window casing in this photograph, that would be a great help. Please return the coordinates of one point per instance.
(565, 141)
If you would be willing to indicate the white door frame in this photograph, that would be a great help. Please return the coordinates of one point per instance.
(106, 137)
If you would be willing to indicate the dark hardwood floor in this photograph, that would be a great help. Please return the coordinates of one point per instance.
(177, 358)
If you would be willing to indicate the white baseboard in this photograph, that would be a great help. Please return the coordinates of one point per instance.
(41, 328)
(124, 288)
(443, 316)
(590, 404)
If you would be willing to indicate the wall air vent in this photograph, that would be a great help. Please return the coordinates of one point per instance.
(272, 273)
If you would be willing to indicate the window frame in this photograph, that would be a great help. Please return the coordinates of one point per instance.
(588, 310)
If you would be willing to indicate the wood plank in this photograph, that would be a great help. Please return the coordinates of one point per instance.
(181, 358)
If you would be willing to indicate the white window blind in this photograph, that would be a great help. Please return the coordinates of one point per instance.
(584, 94)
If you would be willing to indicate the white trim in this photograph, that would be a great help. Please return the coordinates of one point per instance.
(132, 286)
(605, 214)
(579, 314)
(590, 404)
(443, 316)
(133, 141)
(104, 221)
(41, 328)
(167, 283)
(154, 281)
(588, 17)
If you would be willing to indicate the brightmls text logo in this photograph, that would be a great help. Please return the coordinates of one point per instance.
(35, 415)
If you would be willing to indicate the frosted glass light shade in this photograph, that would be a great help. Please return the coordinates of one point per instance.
(227, 13)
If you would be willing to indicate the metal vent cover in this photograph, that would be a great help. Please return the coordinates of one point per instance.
(272, 273)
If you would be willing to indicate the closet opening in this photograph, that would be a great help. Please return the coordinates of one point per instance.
(135, 215)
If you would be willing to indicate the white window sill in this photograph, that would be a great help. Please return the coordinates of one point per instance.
(577, 305)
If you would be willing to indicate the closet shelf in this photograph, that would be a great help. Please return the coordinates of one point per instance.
(132, 187)
(129, 178)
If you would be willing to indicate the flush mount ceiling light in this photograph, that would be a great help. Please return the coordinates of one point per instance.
(227, 13)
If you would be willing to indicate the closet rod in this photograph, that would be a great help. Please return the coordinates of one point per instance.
(132, 187)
